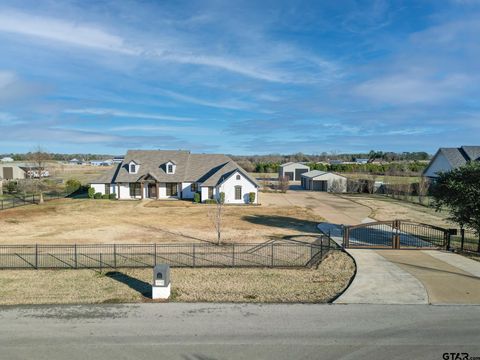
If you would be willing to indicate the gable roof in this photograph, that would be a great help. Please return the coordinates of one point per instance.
(208, 169)
(457, 157)
(315, 173)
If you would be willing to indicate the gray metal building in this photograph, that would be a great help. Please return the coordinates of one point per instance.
(293, 171)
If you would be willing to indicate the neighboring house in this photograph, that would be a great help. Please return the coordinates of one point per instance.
(117, 159)
(292, 170)
(101, 162)
(447, 159)
(163, 174)
(75, 162)
(35, 172)
(11, 172)
(317, 180)
(335, 162)
(361, 161)
(6, 159)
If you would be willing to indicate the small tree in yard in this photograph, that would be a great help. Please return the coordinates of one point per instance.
(423, 187)
(459, 192)
(39, 159)
(216, 216)
(251, 197)
(283, 183)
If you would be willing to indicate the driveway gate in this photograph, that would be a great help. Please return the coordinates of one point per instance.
(396, 234)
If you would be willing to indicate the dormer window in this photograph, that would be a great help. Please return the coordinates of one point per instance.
(133, 167)
(170, 167)
(238, 177)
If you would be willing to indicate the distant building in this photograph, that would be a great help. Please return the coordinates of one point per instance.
(117, 159)
(6, 159)
(361, 161)
(292, 171)
(317, 180)
(75, 162)
(11, 172)
(335, 162)
(101, 162)
(447, 159)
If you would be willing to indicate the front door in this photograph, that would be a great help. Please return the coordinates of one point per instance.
(152, 191)
(172, 189)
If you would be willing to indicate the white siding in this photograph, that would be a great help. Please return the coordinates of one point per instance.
(99, 188)
(204, 193)
(186, 191)
(124, 191)
(438, 164)
(292, 168)
(330, 178)
(228, 187)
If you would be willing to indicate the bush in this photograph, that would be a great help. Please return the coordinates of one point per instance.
(196, 197)
(251, 197)
(106, 196)
(97, 196)
(210, 201)
(11, 187)
(72, 186)
(222, 198)
(113, 196)
(91, 192)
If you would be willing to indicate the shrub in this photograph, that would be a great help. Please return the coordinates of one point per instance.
(12, 187)
(106, 196)
(72, 185)
(113, 196)
(97, 196)
(196, 197)
(91, 192)
(251, 197)
(222, 198)
(210, 201)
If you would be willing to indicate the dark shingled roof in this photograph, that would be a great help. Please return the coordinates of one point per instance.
(458, 157)
(209, 169)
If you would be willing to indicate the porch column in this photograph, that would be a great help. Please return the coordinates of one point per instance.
(118, 189)
(141, 189)
(157, 185)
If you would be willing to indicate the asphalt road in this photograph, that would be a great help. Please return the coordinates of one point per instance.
(230, 331)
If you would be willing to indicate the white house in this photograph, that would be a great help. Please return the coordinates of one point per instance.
(6, 159)
(317, 180)
(292, 170)
(163, 174)
(447, 159)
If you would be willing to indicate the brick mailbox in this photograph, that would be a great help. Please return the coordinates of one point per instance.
(161, 282)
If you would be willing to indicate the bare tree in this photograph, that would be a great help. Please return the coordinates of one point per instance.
(216, 216)
(423, 187)
(335, 187)
(38, 158)
(283, 183)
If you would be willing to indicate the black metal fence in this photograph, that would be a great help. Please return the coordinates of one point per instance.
(270, 254)
(22, 200)
(465, 241)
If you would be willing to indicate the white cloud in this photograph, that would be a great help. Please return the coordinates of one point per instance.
(62, 31)
(410, 88)
(221, 104)
(6, 78)
(127, 114)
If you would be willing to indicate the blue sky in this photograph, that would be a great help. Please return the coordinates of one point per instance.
(239, 77)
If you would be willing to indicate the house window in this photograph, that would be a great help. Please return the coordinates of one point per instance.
(107, 189)
(193, 187)
(170, 168)
(238, 193)
(238, 177)
(135, 189)
(172, 189)
(133, 168)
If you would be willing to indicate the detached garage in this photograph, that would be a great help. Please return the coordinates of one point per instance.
(293, 171)
(317, 180)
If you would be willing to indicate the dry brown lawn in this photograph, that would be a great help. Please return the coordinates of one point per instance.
(384, 209)
(188, 285)
(69, 221)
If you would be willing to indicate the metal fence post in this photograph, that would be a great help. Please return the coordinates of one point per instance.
(311, 249)
(114, 256)
(193, 251)
(100, 262)
(271, 263)
(155, 254)
(462, 234)
(76, 258)
(233, 255)
(36, 256)
(2, 204)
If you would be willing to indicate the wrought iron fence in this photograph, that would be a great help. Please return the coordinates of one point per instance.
(22, 200)
(465, 241)
(270, 254)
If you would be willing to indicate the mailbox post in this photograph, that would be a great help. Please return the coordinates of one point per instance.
(161, 282)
